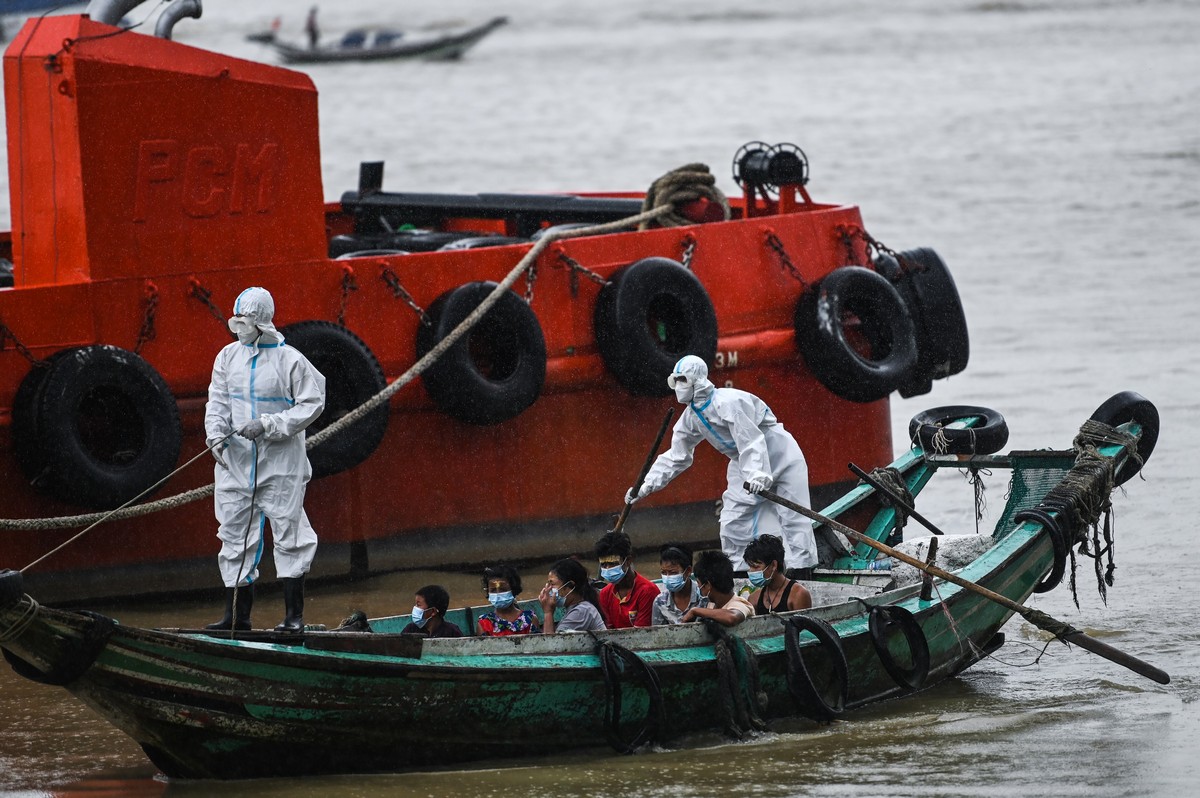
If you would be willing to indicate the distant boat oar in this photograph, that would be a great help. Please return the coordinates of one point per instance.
(666, 422)
(1041, 620)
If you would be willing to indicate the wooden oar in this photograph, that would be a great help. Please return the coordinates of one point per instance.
(666, 422)
(1061, 630)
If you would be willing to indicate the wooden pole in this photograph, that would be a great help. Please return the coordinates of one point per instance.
(666, 422)
(1061, 630)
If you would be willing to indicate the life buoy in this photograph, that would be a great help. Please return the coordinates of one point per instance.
(1058, 538)
(856, 335)
(882, 621)
(352, 376)
(495, 371)
(927, 430)
(813, 702)
(95, 426)
(929, 292)
(1131, 406)
(650, 314)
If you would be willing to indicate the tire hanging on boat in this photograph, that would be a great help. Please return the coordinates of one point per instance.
(616, 660)
(352, 376)
(856, 334)
(883, 621)
(77, 656)
(495, 371)
(811, 701)
(95, 426)
(929, 292)
(927, 429)
(1058, 538)
(650, 314)
(1131, 406)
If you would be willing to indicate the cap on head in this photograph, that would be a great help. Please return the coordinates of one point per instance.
(255, 304)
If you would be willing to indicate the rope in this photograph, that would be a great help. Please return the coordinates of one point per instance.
(737, 681)
(178, 500)
(679, 187)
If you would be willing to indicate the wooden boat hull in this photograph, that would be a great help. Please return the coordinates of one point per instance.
(269, 704)
(441, 48)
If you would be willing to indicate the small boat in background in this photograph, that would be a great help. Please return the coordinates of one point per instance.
(365, 44)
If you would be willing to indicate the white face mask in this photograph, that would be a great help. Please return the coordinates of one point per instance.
(244, 329)
(684, 386)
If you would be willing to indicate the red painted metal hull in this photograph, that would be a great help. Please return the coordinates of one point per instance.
(144, 167)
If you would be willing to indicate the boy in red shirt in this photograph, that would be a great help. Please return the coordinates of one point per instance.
(628, 598)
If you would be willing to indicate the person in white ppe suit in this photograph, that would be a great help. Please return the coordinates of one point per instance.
(267, 393)
(760, 451)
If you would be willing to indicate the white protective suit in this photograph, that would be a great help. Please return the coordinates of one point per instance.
(740, 426)
(260, 377)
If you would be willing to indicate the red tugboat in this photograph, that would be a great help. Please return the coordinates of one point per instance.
(152, 181)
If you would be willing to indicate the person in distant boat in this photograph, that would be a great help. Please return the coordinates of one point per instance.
(761, 452)
(628, 598)
(429, 614)
(680, 592)
(714, 574)
(502, 585)
(310, 27)
(268, 393)
(773, 592)
(568, 588)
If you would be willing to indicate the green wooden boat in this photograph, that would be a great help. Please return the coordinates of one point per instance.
(321, 702)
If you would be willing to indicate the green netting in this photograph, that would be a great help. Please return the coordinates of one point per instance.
(1034, 474)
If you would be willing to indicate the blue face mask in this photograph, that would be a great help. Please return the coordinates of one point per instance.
(501, 600)
(418, 617)
(560, 599)
(674, 582)
(614, 574)
(757, 578)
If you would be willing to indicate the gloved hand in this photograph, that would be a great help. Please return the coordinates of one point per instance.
(216, 453)
(629, 497)
(759, 481)
(252, 429)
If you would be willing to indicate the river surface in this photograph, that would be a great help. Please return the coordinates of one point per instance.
(1050, 151)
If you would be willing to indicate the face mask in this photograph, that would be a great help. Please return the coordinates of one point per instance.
(758, 578)
(418, 617)
(674, 582)
(501, 600)
(614, 574)
(684, 387)
(560, 599)
(244, 329)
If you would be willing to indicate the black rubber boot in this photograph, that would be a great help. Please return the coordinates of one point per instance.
(245, 601)
(293, 604)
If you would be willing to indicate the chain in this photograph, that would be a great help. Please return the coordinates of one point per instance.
(785, 262)
(148, 332)
(6, 334)
(201, 293)
(689, 249)
(849, 233)
(393, 282)
(348, 284)
(530, 279)
(565, 260)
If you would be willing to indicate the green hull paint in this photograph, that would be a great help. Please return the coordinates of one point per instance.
(336, 702)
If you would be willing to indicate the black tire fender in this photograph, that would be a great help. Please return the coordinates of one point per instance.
(1058, 539)
(927, 430)
(929, 292)
(495, 371)
(882, 620)
(860, 362)
(352, 376)
(652, 313)
(1131, 406)
(12, 586)
(802, 682)
(95, 426)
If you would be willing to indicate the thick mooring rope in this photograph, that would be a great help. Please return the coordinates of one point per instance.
(664, 211)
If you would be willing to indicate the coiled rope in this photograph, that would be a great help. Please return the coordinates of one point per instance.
(737, 682)
(663, 211)
(616, 660)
